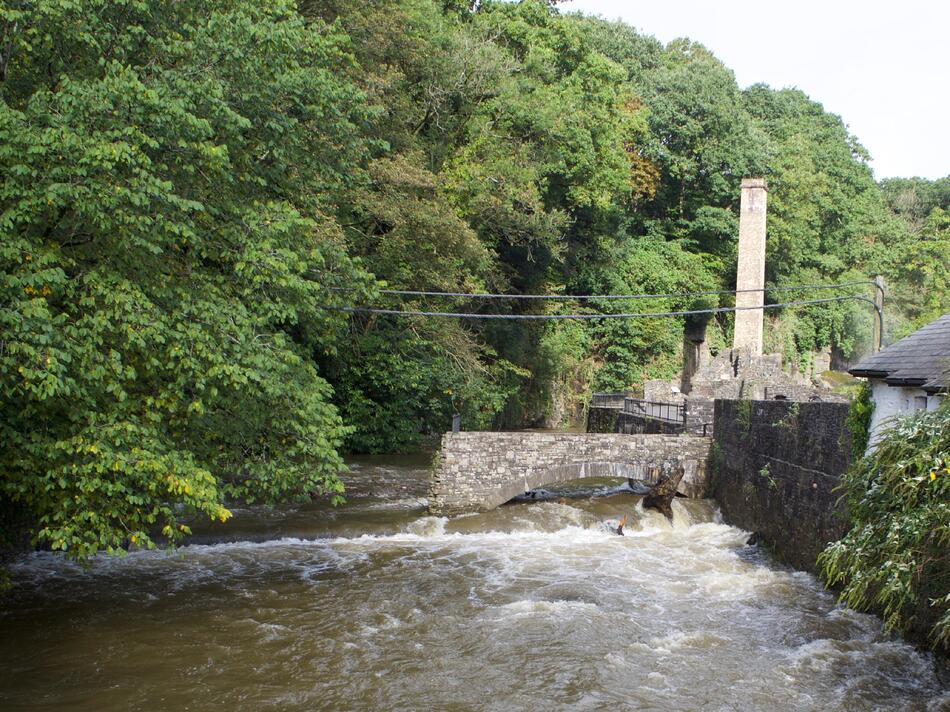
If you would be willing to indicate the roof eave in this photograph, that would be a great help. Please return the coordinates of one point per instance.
(906, 382)
(867, 373)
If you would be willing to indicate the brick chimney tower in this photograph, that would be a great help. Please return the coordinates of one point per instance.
(750, 273)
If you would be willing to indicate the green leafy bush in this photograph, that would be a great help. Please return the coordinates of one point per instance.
(896, 557)
(859, 420)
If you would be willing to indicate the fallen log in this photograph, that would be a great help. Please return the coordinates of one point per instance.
(660, 496)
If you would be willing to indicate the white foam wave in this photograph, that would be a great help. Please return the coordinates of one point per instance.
(434, 533)
(425, 530)
(406, 503)
(543, 607)
(679, 639)
(428, 527)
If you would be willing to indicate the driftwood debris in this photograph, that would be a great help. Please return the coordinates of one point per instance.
(660, 496)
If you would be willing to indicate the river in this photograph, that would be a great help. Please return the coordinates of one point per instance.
(376, 606)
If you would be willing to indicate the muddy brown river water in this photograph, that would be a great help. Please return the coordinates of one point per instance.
(376, 606)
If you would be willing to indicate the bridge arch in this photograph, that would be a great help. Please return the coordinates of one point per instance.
(475, 472)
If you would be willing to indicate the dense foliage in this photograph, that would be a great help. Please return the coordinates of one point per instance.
(923, 272)
(165, 250)
(896, 558)
(531, 151)
(187, 187)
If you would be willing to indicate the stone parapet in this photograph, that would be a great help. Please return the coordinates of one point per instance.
(699, 416)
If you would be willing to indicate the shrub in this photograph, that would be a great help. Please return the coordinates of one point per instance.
(859, 420)
(896, 557)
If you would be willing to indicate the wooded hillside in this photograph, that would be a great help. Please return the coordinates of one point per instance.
(188, 186)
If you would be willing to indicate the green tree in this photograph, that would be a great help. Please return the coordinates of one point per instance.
(923, 260)
(166, 246)
(630, 351)
(703, 139)
(923, 289)
(913, 199)
(828, 221)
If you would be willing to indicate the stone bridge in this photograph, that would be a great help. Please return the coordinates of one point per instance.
(477, 471)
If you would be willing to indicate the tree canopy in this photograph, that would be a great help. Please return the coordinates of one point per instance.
(167, 243)
(191, 190)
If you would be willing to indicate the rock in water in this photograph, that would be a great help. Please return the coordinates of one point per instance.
(660, 496)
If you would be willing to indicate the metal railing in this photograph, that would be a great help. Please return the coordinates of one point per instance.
(609, 400)
(668, 412)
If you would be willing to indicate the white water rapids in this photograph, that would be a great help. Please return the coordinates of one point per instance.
(379, 607)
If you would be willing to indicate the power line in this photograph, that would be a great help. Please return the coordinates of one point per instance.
(609, 297)
(625, 315)
(609, 315)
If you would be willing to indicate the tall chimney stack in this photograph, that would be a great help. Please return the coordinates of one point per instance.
(750, 273)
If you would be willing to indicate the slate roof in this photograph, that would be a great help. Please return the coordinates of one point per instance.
(921, 360)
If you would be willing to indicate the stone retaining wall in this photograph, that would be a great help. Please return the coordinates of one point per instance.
(477, 471)
(631, 424)
(699, 416)
(603, 420)
(775, 467)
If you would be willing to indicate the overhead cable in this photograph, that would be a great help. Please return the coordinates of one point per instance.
(609, 315)
(608, 297)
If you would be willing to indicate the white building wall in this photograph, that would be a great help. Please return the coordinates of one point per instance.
(895, 400)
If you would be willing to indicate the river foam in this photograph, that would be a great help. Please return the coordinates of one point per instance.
(530, 604)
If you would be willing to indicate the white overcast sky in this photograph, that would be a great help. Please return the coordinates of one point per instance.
(883, 67)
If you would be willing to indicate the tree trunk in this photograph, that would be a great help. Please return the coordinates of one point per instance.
(661, 494)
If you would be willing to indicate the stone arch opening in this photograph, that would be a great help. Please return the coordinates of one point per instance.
(480, 471)
(551, 476)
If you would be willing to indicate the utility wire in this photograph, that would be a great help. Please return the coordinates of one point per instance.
(624, 315)
(583, 297)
